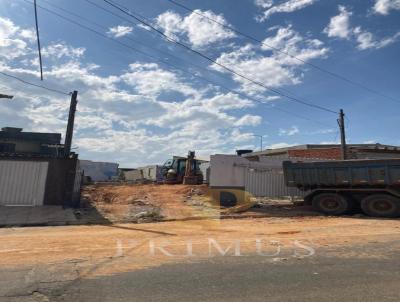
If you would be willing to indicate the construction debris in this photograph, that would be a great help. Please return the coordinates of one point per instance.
(141, 203)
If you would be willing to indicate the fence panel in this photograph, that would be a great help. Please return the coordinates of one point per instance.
(269, 183)
(22, 183)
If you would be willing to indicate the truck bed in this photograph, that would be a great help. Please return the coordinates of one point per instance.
(345, 173)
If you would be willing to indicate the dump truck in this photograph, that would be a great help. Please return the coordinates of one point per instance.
(340, 187)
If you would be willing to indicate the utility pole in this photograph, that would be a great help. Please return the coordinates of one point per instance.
(342, 134)
(261, 140)
(70, 126)
(38, 41)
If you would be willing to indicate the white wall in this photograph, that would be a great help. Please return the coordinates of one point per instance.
(226, 170)
(262, 179)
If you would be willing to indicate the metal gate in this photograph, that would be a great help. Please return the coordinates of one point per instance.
(22, 183)
(269, 183)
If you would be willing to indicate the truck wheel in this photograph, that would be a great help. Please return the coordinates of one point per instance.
(381, 205)
(331, 203)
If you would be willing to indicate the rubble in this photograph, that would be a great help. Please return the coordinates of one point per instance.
(139, 203)
(143, 202)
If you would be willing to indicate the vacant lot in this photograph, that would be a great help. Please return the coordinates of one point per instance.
(150, 202)
(147, 202)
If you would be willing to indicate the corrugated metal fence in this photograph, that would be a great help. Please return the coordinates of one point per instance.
(22, 183)
(269, 183)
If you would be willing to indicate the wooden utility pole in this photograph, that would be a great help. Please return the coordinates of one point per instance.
(342, 134)
(38, 41)
(70, 126)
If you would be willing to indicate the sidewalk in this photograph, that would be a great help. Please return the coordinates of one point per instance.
(36, 216)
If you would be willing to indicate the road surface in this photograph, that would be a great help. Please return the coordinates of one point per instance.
(313, 259)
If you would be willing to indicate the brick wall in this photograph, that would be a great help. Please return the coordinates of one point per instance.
(331, 153)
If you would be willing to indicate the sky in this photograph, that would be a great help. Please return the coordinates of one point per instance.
(142, 99)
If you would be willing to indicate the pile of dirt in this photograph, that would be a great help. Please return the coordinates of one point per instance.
(143, 202)
(124, 203)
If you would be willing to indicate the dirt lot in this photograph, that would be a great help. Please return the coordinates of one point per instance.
(147, 202)
(151, 202)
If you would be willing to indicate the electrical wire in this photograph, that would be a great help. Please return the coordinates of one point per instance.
(297, 100)
(32, 84)
(324, 70)
(167, 63)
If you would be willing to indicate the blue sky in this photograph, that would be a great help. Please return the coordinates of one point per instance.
(134, 109)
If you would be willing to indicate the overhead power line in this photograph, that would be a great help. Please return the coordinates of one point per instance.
(166, 62)
(294, 99)
(252, 38)
(33, 84)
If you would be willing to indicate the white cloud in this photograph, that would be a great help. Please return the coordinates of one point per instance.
(151, 79)
(7, 28)
(11, 46)
(59, 50)
(339, 26)
(120, 31)
(285, 7)
(329, 142)
(264, 3)
(249, 120)
(289, 132)
(171, 23)
(367, 40)
(229, 101)
(383, 7)
(274, 69)
(280, 145)
(199, 30)
(28, 34)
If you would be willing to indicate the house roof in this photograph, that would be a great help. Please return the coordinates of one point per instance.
(372, 147)
(10, 133)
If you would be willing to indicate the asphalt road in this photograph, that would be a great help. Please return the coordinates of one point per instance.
(318, 278)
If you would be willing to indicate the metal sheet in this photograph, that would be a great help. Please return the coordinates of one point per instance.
(269, 183)
(22, 183)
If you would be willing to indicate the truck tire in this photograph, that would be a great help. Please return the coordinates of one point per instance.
(331, 203)
(381, 205)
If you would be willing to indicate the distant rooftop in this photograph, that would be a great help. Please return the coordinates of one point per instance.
(324, 146)
(11, 133)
